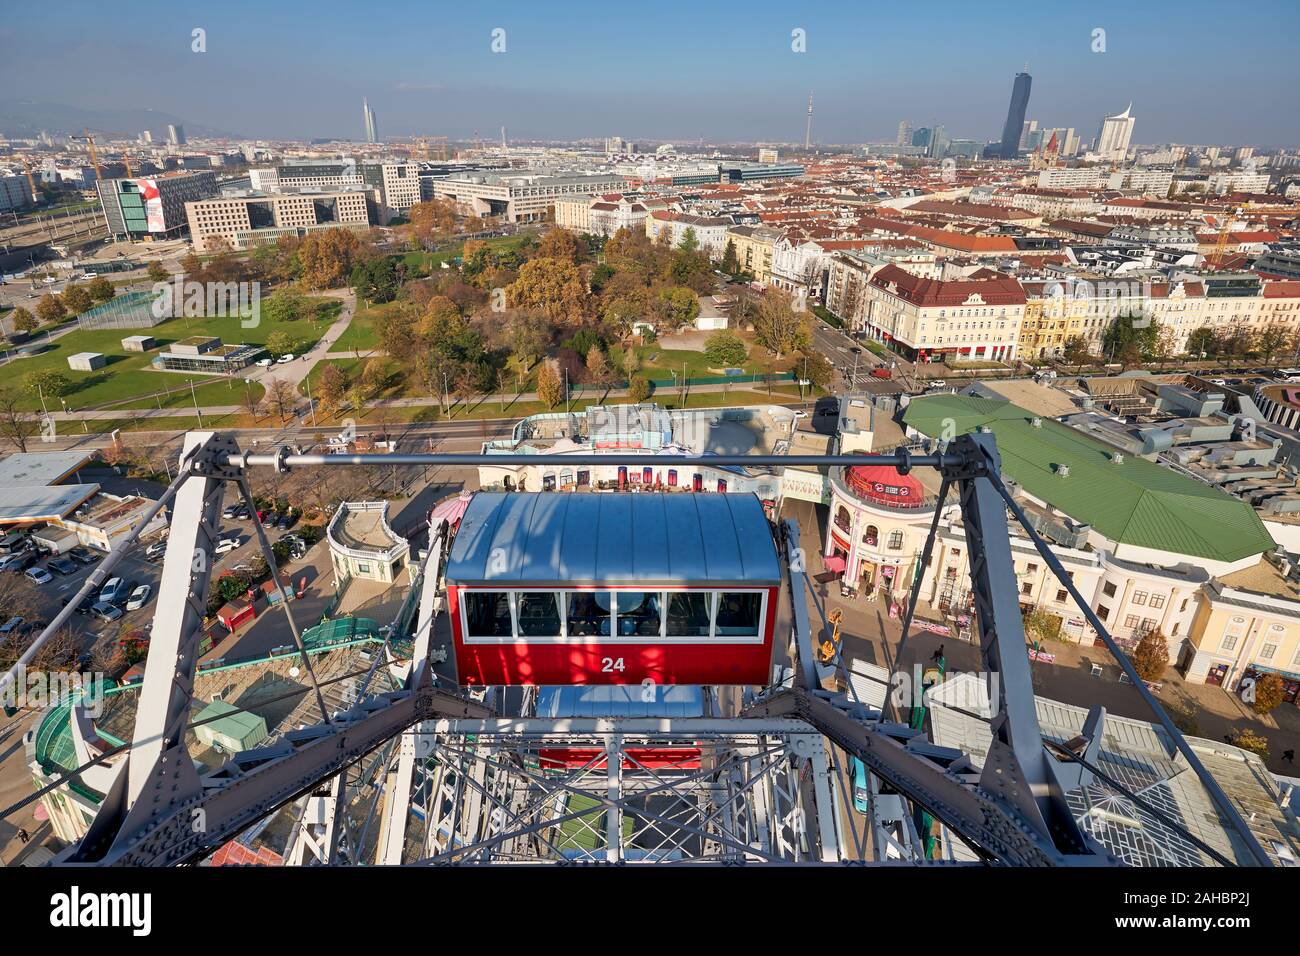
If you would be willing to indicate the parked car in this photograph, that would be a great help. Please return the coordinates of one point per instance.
(19, 562)
(15, 561)
(289, 519)
(286, 358)
(11, 626)
(226, 545)
(106, 612)
(114, 591)
(264, 363)
(230, 511)
(39, 575)
(86, 604)
(84, 556)
(139, 597)
(155, 550)
(63, 566)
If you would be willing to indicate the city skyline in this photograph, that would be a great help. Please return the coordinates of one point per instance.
(436, 72)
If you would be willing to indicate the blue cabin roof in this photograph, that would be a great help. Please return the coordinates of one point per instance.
(521, 539)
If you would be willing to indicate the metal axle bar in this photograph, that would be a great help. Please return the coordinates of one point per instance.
(286, 459)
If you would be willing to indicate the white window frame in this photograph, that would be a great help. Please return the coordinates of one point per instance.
(613, 637)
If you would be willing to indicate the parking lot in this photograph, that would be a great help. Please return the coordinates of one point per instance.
(46, 594)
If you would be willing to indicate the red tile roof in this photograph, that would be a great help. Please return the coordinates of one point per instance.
(926, 293)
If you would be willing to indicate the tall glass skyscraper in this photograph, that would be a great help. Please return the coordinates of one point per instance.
(1016, 116)
(372, 127)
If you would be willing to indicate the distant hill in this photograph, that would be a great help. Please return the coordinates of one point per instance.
(26, 118)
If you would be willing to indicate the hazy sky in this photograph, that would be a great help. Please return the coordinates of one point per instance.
(1197, 72)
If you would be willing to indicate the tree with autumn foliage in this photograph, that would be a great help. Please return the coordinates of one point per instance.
(1269, 693)
(559, 243)
(553, 286)
(433, 221)
(326, 257)
(549, 387)
(1151, 656)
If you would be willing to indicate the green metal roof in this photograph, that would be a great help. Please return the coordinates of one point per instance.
(230, 720)
(1136, 502)
(54, 749)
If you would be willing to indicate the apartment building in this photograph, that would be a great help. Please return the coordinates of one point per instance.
(1247, 624)
(241, 222)
(972, 319)
(755, 247)
(672, 227)
(574, 213)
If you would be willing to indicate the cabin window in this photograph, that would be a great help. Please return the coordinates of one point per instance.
(588, 614)
(690, 613)
(639, 613)
(539, 614)
(738, 614)
(487, 614)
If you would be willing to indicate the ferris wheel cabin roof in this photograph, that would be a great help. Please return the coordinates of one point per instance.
(551, 539)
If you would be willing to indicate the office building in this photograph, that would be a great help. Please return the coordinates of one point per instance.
(521, 196)
(305, 174)
(398, 186)
(152, 208)
(1014, 127)
(175, 134)
(15, 193)
(372, 125)
(241, 222)
(904, 133)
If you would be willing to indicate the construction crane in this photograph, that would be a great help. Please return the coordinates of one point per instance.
(31, 182)
(774, 755)
(1225, 233)
(90, 145)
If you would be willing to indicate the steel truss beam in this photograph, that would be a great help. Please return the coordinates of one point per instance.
(744, 802)
(763, 790)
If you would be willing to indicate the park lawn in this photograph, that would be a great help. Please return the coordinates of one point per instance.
(428, 263)
(170, 424)
(129, 375)
(360, 335)
(397, 386)
(208, 391)
(669, 361)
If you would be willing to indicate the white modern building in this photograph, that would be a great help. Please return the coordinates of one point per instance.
(522, 196)
(1113, 139)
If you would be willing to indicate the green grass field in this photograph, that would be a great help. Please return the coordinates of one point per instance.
(128, 377)
(427, 263)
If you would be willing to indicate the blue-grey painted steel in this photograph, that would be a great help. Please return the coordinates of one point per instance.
(545, 540)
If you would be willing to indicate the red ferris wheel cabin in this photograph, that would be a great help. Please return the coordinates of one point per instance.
(592, 588)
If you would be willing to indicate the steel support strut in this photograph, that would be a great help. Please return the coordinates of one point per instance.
(159, 810)
(159, 774)
(1017, 768)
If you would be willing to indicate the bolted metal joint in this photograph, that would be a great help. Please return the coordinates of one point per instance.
(282, 458)
(904, 459)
